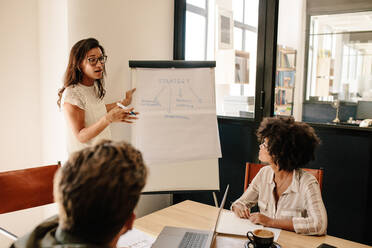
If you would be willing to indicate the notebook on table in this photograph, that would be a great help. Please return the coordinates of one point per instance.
(188, 238)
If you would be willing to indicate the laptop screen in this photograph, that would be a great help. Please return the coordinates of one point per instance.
(221, 207)
(181, 237)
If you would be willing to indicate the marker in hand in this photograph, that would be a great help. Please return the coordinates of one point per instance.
(125, 108)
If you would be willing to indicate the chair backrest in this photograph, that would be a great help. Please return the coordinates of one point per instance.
(252, 169)
(318, 174)
(27, 188)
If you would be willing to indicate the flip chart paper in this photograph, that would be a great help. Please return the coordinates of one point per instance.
(177, 120)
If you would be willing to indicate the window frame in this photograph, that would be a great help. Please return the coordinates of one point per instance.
(266, 54)
(203, 13)
(244, 27)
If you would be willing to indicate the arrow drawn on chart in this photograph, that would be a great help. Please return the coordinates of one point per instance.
(178, 93)
(193, 92)
(156, 97)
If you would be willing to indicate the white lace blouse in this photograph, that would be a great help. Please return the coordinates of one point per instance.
(85, 97)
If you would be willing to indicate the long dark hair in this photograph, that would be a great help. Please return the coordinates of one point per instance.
(73, 74)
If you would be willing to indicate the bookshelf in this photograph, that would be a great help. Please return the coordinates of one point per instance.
(285, 80)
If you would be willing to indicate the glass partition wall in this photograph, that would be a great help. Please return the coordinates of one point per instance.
(340, 56)
(322, 53)
(339, 68)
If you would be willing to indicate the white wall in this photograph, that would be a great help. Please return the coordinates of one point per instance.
(53, 58)
(20, 143)
(20, 96)
(39, 35)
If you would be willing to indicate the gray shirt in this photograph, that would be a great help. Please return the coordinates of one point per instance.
(49, 234)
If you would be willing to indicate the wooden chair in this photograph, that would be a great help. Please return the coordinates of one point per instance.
(27, 188)
(252, 169)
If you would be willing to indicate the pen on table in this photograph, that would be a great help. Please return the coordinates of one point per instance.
(123, 107)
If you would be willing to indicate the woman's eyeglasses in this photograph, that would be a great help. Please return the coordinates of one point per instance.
(93, 61)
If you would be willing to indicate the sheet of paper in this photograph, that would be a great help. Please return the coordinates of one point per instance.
(229, 223)
(168, 141)
(135, 239)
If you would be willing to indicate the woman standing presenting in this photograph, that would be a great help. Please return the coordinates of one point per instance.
(82, 97)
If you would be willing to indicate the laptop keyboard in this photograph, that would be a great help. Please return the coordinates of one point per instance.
(193, 240)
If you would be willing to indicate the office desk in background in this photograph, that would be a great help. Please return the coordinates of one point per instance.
(190, 214)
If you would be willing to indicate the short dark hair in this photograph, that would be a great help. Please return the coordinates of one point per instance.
(98, 188)
(290, 144)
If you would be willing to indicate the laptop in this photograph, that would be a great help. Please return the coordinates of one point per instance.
(171, 237)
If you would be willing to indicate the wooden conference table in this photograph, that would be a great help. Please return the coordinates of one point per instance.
(190, 214)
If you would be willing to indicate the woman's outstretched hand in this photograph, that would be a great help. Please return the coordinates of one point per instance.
(128, 97)
(118, 114)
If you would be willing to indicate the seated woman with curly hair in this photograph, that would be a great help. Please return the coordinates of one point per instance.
(288, 197)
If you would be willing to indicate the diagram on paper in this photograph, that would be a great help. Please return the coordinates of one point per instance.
(173, 93)
(177, 120)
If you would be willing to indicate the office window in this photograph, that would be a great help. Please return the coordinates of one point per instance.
(245, 23)
(238, 6)
(335, 66)
(251, 14)
(235, 73)
(198, 3)
(196, 30)
(195, 47)
(238, 37)
(342, 47)
(345, 64)
(335, 73)
(239, 100)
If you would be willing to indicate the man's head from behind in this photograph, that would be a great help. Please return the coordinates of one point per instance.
(97, 190)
